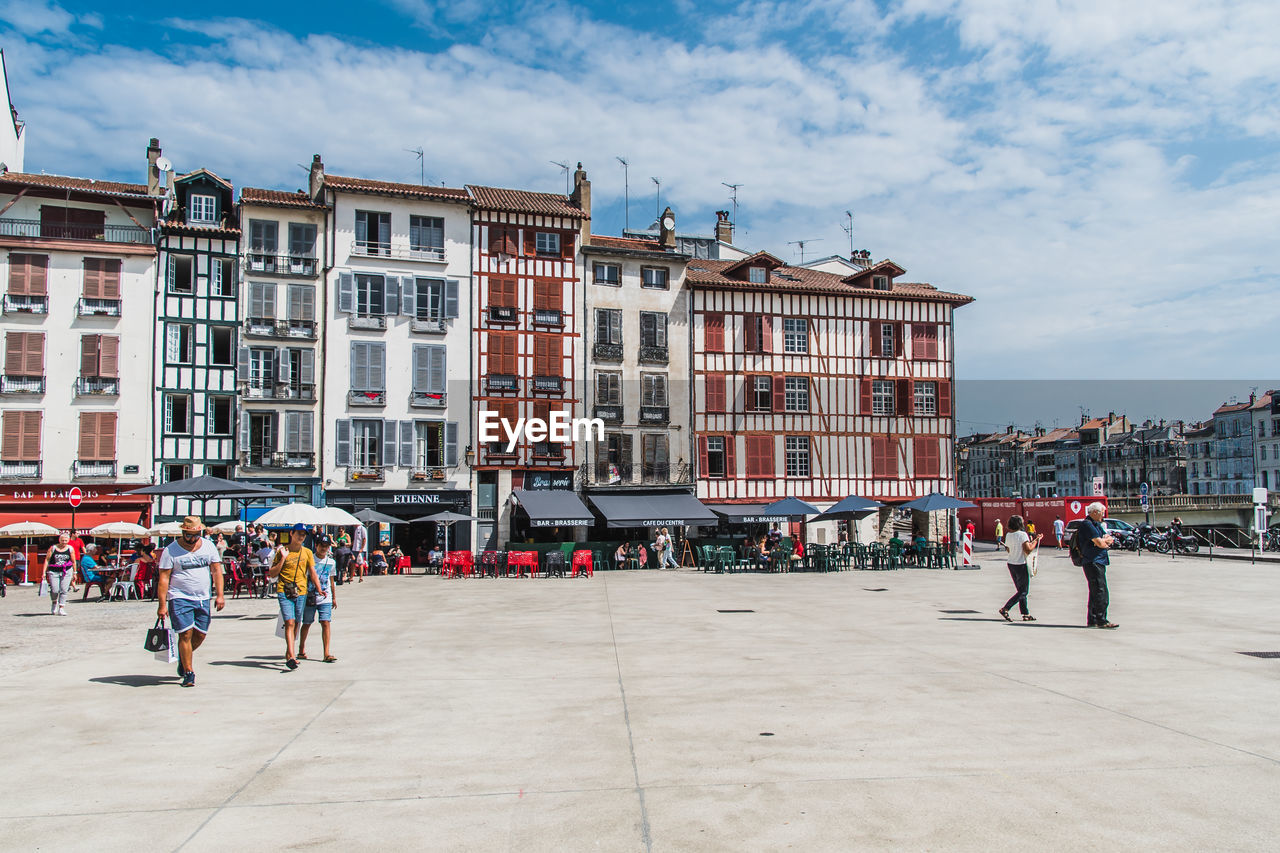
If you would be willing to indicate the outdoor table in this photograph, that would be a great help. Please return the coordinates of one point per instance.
(109, 574)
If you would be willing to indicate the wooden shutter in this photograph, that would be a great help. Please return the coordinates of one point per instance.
(715, 392)
(502, 353)
(502, 240)
(109, 356)
(29, 438)
(360, 366)
(546, 358)
(292, 437)
(546, 296)
(903, 397)
(451, 443)
(302, 302)
(389, 443)
(93, 275)
(779, 393)
(530, 243)
(89, 348)
(378, 366)
(752, 334)
(899, 346)
(864, 401)
(884, 457)
(876, 338)
(390, 295)
(342, 443)
(107, 436)
(730, 456)
(704, 464)
(944, 398)
(346, 292)
(451, 297)
(713, 332)
(420, 368)
(567, 243)
(926, 455)
(242, 365)
(924, 341)
(406, 443)
(436, 369)
(284, 366)
(306, 432)
(24, 353)
(766, 326)
(308, 368)
(11, 442)
(88, 451)
(409, 296)
(111, 278)
(502, 292)
(759, 455)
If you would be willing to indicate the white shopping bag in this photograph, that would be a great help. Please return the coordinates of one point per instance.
(170, 653)
(1033, 562)
(280, 626)
(43, 590)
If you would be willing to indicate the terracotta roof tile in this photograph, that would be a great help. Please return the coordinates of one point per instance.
(523, 201)
(275, 198)
(65, 182)
(1227, 408)
(363, 185)
(708, 273)
(604, 242)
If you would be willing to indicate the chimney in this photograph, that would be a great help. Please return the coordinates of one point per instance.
(860, 259)
(316, 183)
(667, 236)
(1252, 398)
(724, 228)
(153, 173)
(1008, 430)
(582, 198)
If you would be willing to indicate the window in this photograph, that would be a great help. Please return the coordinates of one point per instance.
(608, 274)
(368, 366)
(886, 340)
(97, 437)
(547, 243)
(181, 278)
(263, 236)
(1262, 449)
(758, 333)
(299, 428)
(21, 441)
(654, 457)
(28, 275)
(301, 306)
(24, 354)
(222, 470)
(608, 389)
(713, 332)
(924, 341)
(429, 299)
(99, 356)
(204, 208)
(716, 457)
(426, 234)
(795, 335)
(608, 326)
(177, 414)
(757, 275)
(174, 472)
(927, 457)
(797, 456)
(882, 397)
(654, 278)
(302, 240)
(759, 456)
(370, 295)
(262, 367)
(502, 293)
(101, 278)
(72, 223)
(428, 445)
(366, 443)
(716, 397)
(653, 329)
(797, 394)
(262, 301)
(613, 458)
(926, 398)
(884, 458)
(429, 371)
(373, 233)
(1265, 483)
(880, 282)
(1262, 429)
(222, 277)
(547, 297)
(548, 356)
(503, 353)
(653, 389)
(760, 393)
(298, 369)
(219, 414)
(221, 342)
(179, 347)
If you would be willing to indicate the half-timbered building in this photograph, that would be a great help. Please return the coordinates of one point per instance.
(817, 385)
(527, 330)
(196, 323)
(279, 359)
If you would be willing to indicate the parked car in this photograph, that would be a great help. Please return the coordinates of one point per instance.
(1113, 525)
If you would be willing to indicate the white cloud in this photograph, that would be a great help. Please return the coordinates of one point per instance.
(35, 17)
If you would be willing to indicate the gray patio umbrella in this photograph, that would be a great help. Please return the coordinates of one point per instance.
(934, 502)
(852, 507)
(791, 507)
(372, 516)
(206, 488)
(448, 518)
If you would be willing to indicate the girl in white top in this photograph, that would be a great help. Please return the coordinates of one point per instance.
(1019, 545)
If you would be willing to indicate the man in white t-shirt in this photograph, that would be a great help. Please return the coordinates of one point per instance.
(188, 568)
(358, 546)
(1058, 529)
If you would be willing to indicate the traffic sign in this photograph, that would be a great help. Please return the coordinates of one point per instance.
(1143, 500)
(75, 496)
(1142, 490)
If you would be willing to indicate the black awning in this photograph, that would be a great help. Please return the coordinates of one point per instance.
(552, 507)
(667, 509)
(745, 514)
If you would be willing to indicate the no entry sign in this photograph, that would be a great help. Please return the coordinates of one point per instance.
(75, 496)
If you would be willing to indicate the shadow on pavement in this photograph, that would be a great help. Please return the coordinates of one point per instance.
(968, 619)
(33, 614)
(275, 663)
(136, 680)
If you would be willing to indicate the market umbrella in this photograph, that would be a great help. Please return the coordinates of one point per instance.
(372, 516)
(448, 518)
(205, 488)
(24, 530)
(791, 507)
(934, 502)
(332, 516)
(119, 531)
(167, 528)
(851, 508)
(227, 527)
(291, 514)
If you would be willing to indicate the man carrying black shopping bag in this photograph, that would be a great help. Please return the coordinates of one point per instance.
(188, 568)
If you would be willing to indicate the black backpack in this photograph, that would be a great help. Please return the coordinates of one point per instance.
(1077, 556)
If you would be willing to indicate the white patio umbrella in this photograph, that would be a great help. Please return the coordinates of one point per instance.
(227, 527)
(119, 531)
(24, 530)
(168, 528)
(335, 517)
(291, 514)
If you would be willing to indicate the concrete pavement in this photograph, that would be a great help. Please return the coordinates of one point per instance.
(858, 710)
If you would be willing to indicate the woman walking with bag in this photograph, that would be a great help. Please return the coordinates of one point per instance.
(1020, 546)
(59, 571)
(320, 605)
(292, 569)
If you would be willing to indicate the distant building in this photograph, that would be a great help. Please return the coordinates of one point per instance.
(1154, 454)
(1201, 479)
(1266, 440)
(1233, 448)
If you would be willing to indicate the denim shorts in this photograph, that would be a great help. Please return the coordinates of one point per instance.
(325, 611)
(292, 608)
(185, 614)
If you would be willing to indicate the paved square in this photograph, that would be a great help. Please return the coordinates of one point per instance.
(849, 711)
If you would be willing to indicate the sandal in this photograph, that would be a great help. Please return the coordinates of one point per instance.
(1028, 618)
(302, 656)
(1005, 614)
(330, 659)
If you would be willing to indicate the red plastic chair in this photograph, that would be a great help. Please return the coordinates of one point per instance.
(581, 562)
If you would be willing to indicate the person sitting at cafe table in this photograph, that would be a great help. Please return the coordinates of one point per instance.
(378, 562)
(897, 544)
(921, 544)
(88, 569)
(621, 555)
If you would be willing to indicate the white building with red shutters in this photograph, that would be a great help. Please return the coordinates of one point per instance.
(820, 385)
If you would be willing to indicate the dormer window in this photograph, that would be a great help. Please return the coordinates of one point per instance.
(547, 243)
(880, 282)
(758, 275)
(204, 209)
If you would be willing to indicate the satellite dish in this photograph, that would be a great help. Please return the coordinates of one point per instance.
(164, 165)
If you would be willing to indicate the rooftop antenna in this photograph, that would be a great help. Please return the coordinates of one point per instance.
(657, 208)
(801, 243)
(565, 168)
(422, 167)
(848, 229)
(626, 193)
(734, 197)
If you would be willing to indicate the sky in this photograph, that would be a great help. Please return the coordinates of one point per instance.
(1103, 178)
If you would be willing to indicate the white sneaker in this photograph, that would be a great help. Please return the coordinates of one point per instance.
(62, 611)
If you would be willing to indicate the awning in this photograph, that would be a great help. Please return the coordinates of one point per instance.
(552, 507)
(745, 514)
(85, 519)
(667, 509)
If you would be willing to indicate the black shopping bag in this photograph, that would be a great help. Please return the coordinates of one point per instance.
(157, 638)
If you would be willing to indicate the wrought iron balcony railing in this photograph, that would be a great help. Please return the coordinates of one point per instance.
(20, 470)
(375, 322)
(607, 352)
(428, 399)
(98, 307)
(427, 472)
(548, 383)
(35, 229)
(430, 325)
(655, 414)
(610, 413)
(21, 384)
(365, 473)
(613, 472)
(546, 317)
(653, 355)
(398, 250)
(497, 382)
(106, 386)
(92, 470)
(26, 304)
(367, 398)
(502, 314)
(548, 450)
(277, 459)
(267, 327)
(282, 265)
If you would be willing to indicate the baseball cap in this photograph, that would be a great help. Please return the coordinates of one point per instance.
(299, 526)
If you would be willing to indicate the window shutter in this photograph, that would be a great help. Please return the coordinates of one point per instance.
(11, 444)
(171, 274)
(660, 325)
(905, 400)
(766, 325)
(436, 369)
(15, 353)
(451, 297)
(751, 340)
(530, 242)
(215, 275)
(89, 355)
(92, 278)
(779, 393)
(891, 457)
(624, 450)
(294, 305)
(31, 436)
(362, 227)
(346, 292)
(256, 300)
(566, 244)
(898, 348)
(864, 402)
(342, 443)
(360, 366)
(730, 456)
(37, 275)
(109, 356)
(244, 431)
(111, 278)
(713, 332)
(388, 443)
(88, 437)
(406, 444)
(391, 296)
(420, 381)
(501, 240)
(107, 436)
(926, 457)
(284, 365)
(172, 344)
(20, 274)
(292, 439)
(242, 365)
(451, 443)
(378, 366)
(944, 398)
(308, 368)
(703, 464)
(715, 393)
(409, 296)
(306, 430)
(307, 303)
(35, 354)
(615, 327)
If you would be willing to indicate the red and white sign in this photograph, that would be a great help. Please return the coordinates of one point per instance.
(75, 496)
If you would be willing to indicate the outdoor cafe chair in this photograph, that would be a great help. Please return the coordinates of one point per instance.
(582, 563)
(125, 587)
(555, 564)
(493, 562)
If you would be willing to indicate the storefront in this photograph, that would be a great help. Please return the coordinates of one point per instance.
(48, 505)
(407, 506)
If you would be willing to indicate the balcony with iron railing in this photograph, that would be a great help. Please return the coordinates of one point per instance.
(548, 317)
(548, 450)
(655, 472)
(367, 322)
(98, 307)
(653, 355)
(280, 265)
(613, 472)
(21, 384)
(398, 250)
(429, 325)
(277, 391)
(81, 470)
(428, 399)
(365, 474)
(34, 229)
(550, 384)
(427, 473)
(98, 386)
(367, 398)
(655, 415)
(502, 314)
(607, 352)
(502, 382)
(26, 304)
(266, 327)
(276, 459)
(19, 470)
(610, 413)
(496, 453)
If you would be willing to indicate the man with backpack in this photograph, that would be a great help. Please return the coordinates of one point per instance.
(1089, 551)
